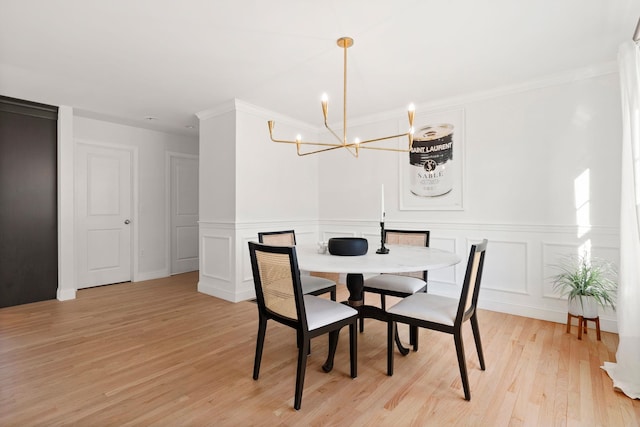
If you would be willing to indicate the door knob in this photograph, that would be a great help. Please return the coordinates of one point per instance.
(126, 221)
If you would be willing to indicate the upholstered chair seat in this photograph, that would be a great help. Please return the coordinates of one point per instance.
(279, 296)
(444, 314)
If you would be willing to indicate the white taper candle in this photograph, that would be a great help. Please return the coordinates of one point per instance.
(382, 203)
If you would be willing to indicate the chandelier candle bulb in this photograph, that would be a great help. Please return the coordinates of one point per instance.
(325, 106)
(411, 112)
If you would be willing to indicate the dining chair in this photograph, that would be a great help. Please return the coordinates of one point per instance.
(279, 295)
(400, 284)
(444, 314)
(312, 285)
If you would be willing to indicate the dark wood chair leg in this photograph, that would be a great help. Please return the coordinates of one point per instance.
(413, 337)
(401, 348)
(361, 316)
(457, 337)
(353, 349)
(302, 367)
(391, 332)
(598, 328)
(568, 323)
(333, 344)
(476, 337)
(333, 294)
(299, 342)
(262, 328)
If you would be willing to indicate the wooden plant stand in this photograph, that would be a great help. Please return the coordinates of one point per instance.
(582, 324)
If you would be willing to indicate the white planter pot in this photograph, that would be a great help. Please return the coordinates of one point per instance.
(584, 306)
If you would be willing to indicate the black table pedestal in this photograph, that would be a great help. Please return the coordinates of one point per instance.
(355, 284)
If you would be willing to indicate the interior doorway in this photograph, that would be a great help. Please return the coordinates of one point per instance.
(28, 202)
(183, 212)
(104, 222)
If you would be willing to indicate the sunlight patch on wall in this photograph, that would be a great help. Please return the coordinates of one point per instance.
(585, 250)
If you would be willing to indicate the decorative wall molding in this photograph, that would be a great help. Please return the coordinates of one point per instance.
(245, 261)
(512, 267)
(566, 77)
(217, 257)
(433, 225)
(245, 107)
(514, 275)
(257, 225)
(469, 226)
(515, 285)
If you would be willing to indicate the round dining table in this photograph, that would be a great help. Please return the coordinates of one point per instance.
(399, 259)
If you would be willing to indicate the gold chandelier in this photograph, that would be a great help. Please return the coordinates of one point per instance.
(354, 146)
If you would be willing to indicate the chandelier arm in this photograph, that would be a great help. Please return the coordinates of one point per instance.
(334, 147)
(397, 150)
(326, 144)
(353, 148)
(389, 137)
(342, 141)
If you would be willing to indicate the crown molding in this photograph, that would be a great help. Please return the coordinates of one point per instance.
(565, 77)
(245, 107)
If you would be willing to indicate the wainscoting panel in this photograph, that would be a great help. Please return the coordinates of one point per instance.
(245, 259)
(505, 267)
(216, 256)
(445, 276)
(517, 268)
(516, 275)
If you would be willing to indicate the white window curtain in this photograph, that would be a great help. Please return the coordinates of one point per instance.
(625, 373)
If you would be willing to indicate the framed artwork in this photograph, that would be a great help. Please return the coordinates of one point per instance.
(432, 174)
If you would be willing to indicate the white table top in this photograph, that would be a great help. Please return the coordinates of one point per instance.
(400, 259)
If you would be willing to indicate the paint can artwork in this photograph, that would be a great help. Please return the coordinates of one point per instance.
(430, 161)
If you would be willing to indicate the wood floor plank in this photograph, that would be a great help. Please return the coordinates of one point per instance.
(160, 353)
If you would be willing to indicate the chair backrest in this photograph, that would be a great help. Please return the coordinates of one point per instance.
(278, 238)
(471, 285)
(276, 278)
(409, 237)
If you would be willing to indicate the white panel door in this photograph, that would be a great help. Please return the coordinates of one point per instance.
(103, 215)
(184, 214)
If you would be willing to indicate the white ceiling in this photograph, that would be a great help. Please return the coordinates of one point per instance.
(168, 59)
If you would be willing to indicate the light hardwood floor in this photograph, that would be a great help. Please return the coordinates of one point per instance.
(160, 353)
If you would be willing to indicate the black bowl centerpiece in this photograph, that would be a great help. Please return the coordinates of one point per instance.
(348, 246)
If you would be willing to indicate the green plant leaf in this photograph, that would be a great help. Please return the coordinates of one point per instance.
(581, 275)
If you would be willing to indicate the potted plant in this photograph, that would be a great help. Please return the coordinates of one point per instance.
(587, 282)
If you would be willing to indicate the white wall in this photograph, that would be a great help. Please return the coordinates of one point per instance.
(152, 245)
(249, 184)
(274, 184)
(524, 150)
(218, 167)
